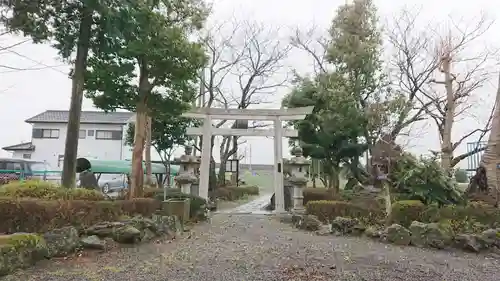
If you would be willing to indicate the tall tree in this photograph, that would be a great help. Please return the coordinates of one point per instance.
(440, 73)
(69, 26)
(245, 68)
(152, 47)
(331, 132)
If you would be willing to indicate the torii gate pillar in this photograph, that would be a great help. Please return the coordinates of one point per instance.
(275, 115)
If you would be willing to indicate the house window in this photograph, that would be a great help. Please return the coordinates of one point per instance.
(27, 156)
(108, 135)
(82, 134)
(60, 159)
(90, 133)
(46, 133)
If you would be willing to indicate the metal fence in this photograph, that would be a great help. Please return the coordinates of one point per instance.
(474, 160)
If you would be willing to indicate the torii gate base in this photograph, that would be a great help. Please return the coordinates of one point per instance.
(275, 115)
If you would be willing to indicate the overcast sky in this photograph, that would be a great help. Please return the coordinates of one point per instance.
(26, 93)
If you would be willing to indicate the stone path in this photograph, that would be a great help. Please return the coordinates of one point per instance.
(249, 247)
(255, 207)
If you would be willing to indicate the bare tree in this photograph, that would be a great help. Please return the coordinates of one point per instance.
(244, 70)
(460, 74)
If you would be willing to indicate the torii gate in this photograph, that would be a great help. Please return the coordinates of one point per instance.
(275, 115)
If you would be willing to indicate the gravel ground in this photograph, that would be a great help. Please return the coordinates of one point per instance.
(251, 247)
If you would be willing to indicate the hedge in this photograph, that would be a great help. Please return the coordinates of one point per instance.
(328, 210)
(232, 193)
(473, 215)
(48, 191)
(35, 215)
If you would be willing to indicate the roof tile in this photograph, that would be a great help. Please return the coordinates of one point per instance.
(88, 117)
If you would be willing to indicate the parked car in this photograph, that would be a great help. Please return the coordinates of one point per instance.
(113, 184)
(15, 169)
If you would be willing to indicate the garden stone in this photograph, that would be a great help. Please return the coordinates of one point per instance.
(430, 235)
(127, 235)
(398, 235)
(341, 225)
(470, 242)
(373, 232)
(324, 230)
(62, 241)
(104, 229)
(147, 235)
(93, 242)
(168, 224)
(308, 222)
(142, 223)
(20, 250)
(491, 237)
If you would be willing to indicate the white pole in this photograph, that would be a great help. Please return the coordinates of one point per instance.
(279, 197)
(250, 156)
(205, 157)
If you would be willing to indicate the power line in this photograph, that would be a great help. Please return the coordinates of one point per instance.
(16, 69)
(35, 61)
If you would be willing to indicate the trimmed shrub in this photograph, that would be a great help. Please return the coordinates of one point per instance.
(473, 217)
(35, 215)
(461, 176)
(328, 210)
(47, 191)
(405, 212)
(317, 194)
(232, 193)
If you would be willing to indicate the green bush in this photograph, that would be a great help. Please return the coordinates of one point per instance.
(405, 212)
(328, 210)
(232, 193)
(423, 179)
(48, 191)
(37, 216)
(472, 217)
(317, 194)
(461, 176)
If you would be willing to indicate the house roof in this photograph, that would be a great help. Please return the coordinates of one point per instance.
(87, 117)
(21, 146)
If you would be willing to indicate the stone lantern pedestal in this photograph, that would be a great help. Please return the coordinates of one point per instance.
(187, 175)
(298, 170)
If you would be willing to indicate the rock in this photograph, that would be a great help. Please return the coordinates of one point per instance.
(168, 224)
(373, 232)
(62, 241)
(430, 235)
(104, 229)
(491, 237)
(147, 235)
(398, 235)
(142, 223)
(93, 242)
(324, 230)
(341, 225)
(20, 250)
(470, 242)
(127, 235)
(309, 222)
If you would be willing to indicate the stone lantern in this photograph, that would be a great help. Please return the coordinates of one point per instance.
(298, 170)
(187, 175)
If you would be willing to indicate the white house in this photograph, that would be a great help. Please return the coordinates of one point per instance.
(102, 136)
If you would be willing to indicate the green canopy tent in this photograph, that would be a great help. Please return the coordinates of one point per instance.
(121, 167)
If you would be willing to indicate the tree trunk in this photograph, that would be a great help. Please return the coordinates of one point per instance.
(149, 174)
(221, 175)
(137, 173)
(75, 110)
(490, 157)
(446, 144)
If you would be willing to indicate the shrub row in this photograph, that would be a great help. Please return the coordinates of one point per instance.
(35, 215)
(232, 193)
(328, 210)
(472, 217)
(48, 191)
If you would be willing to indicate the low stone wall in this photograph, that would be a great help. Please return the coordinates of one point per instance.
(427, 235)
(21, 250)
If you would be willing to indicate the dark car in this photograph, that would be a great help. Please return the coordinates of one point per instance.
(15, 169)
